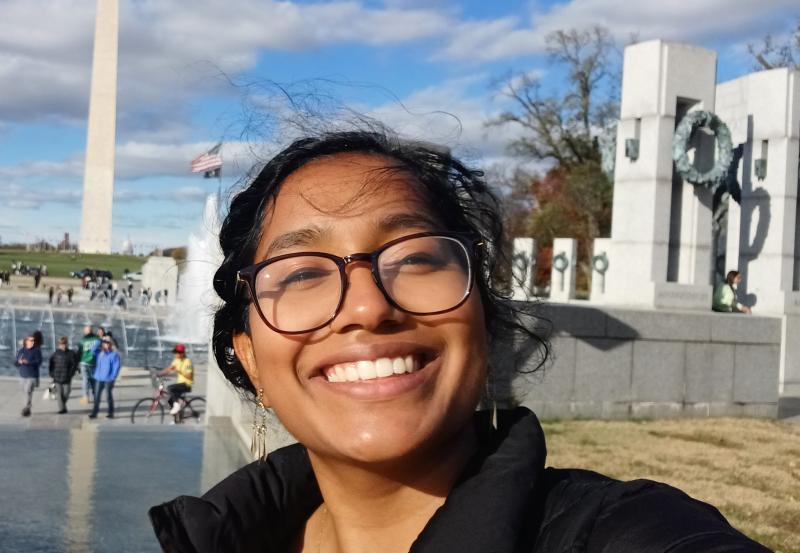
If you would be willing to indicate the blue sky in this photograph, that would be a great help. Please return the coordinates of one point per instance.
(192, 73)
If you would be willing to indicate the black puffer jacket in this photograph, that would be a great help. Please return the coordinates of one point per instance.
(506, 501)
(63, 364)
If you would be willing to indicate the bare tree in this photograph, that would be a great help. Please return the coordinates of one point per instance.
(772, 54)
(562, 127)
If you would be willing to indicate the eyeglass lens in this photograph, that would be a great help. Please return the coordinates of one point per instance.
(421, 275)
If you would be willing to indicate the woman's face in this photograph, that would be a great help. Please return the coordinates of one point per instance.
(342, 205)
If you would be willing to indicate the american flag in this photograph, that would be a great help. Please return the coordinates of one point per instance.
(209, 162)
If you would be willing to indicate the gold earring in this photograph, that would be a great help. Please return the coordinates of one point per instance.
(490, 397)
(258, 445)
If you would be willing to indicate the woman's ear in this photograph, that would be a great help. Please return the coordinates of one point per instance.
(243, 347)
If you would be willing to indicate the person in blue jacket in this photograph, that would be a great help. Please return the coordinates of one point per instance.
(28, 360)
(105, 373)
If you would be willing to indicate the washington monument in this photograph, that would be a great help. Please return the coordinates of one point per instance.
(98, 176)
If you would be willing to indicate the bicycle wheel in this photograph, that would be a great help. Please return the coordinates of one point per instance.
(147, 411)
(194, 411)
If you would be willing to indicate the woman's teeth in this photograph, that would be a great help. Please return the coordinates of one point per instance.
(369, 370)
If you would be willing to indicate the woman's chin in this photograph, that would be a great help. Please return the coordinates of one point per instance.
(389, 443)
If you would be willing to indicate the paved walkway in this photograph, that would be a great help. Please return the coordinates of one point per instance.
(132, 385)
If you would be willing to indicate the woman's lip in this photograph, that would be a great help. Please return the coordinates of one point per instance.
(380, 388)
(371, 352)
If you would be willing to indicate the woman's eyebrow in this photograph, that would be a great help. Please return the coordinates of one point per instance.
(300, 237)
(313, 234)
(398, 221)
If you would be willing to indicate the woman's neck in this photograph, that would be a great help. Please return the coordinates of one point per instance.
(368, 509)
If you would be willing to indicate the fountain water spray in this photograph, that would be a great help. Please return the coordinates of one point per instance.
(190, 319)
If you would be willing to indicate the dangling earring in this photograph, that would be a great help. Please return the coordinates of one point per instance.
(490, 397)
(258, 445)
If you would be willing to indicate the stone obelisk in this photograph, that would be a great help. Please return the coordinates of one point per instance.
(98, 176)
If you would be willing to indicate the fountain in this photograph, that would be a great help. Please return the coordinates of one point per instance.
(7, 318)
(141, 331)
(48, 319)
(190, 320)
(20, 317)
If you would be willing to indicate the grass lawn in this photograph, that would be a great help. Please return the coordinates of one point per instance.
(61, 264)
(748, 468)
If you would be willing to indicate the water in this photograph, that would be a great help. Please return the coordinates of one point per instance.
(190, 320)
(87, 490)
(139, 334)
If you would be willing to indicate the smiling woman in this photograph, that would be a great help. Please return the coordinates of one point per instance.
(358, 305)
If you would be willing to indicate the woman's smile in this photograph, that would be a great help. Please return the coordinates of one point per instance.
(394, 369)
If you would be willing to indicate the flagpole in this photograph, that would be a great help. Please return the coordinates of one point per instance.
(219, 192)
(219, 186)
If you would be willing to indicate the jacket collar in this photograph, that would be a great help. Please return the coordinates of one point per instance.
(263, 506)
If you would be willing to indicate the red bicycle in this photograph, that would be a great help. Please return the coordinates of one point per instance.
(151, 410)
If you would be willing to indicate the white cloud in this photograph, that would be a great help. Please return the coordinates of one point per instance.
(483, 41)
(180, 194)
(17, 196)
(170, 53)
(134, 160)
(699, 21)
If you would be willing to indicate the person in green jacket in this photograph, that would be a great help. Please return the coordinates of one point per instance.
(88, 348)
(725, 295)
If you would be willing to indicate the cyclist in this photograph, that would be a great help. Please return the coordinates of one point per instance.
(183, 366)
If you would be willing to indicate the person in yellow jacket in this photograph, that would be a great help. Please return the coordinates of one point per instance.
(181, 365)
(725, 295)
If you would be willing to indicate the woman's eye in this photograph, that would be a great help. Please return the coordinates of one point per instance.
(419, 259)
(417, 262)
(302, 276)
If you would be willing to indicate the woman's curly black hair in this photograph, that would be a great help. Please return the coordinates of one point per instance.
(457, 195)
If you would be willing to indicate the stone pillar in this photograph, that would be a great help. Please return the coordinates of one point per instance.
(601, 262)
(762, 111)
(562, 272)
(661, 225)
(98, 176)
(523, 269)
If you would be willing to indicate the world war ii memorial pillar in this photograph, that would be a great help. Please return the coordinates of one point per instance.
(762, 111)
(98, 176)
(660, 251)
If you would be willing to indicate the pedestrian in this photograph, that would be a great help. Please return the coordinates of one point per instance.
(50, 293)
(88, 348)
(63, 366)
(37, 278)
(105, 374)
(103, 333)
(181, 365)
(725, 299)
(59, 295)
(28, 360)
(70, 292)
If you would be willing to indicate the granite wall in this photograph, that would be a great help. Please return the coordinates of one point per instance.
(617, 363)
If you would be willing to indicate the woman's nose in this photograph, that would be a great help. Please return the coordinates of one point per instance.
(364, 306)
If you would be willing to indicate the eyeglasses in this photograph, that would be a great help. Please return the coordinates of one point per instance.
(421, 274)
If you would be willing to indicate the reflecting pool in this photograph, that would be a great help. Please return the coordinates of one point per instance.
(87, 490)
